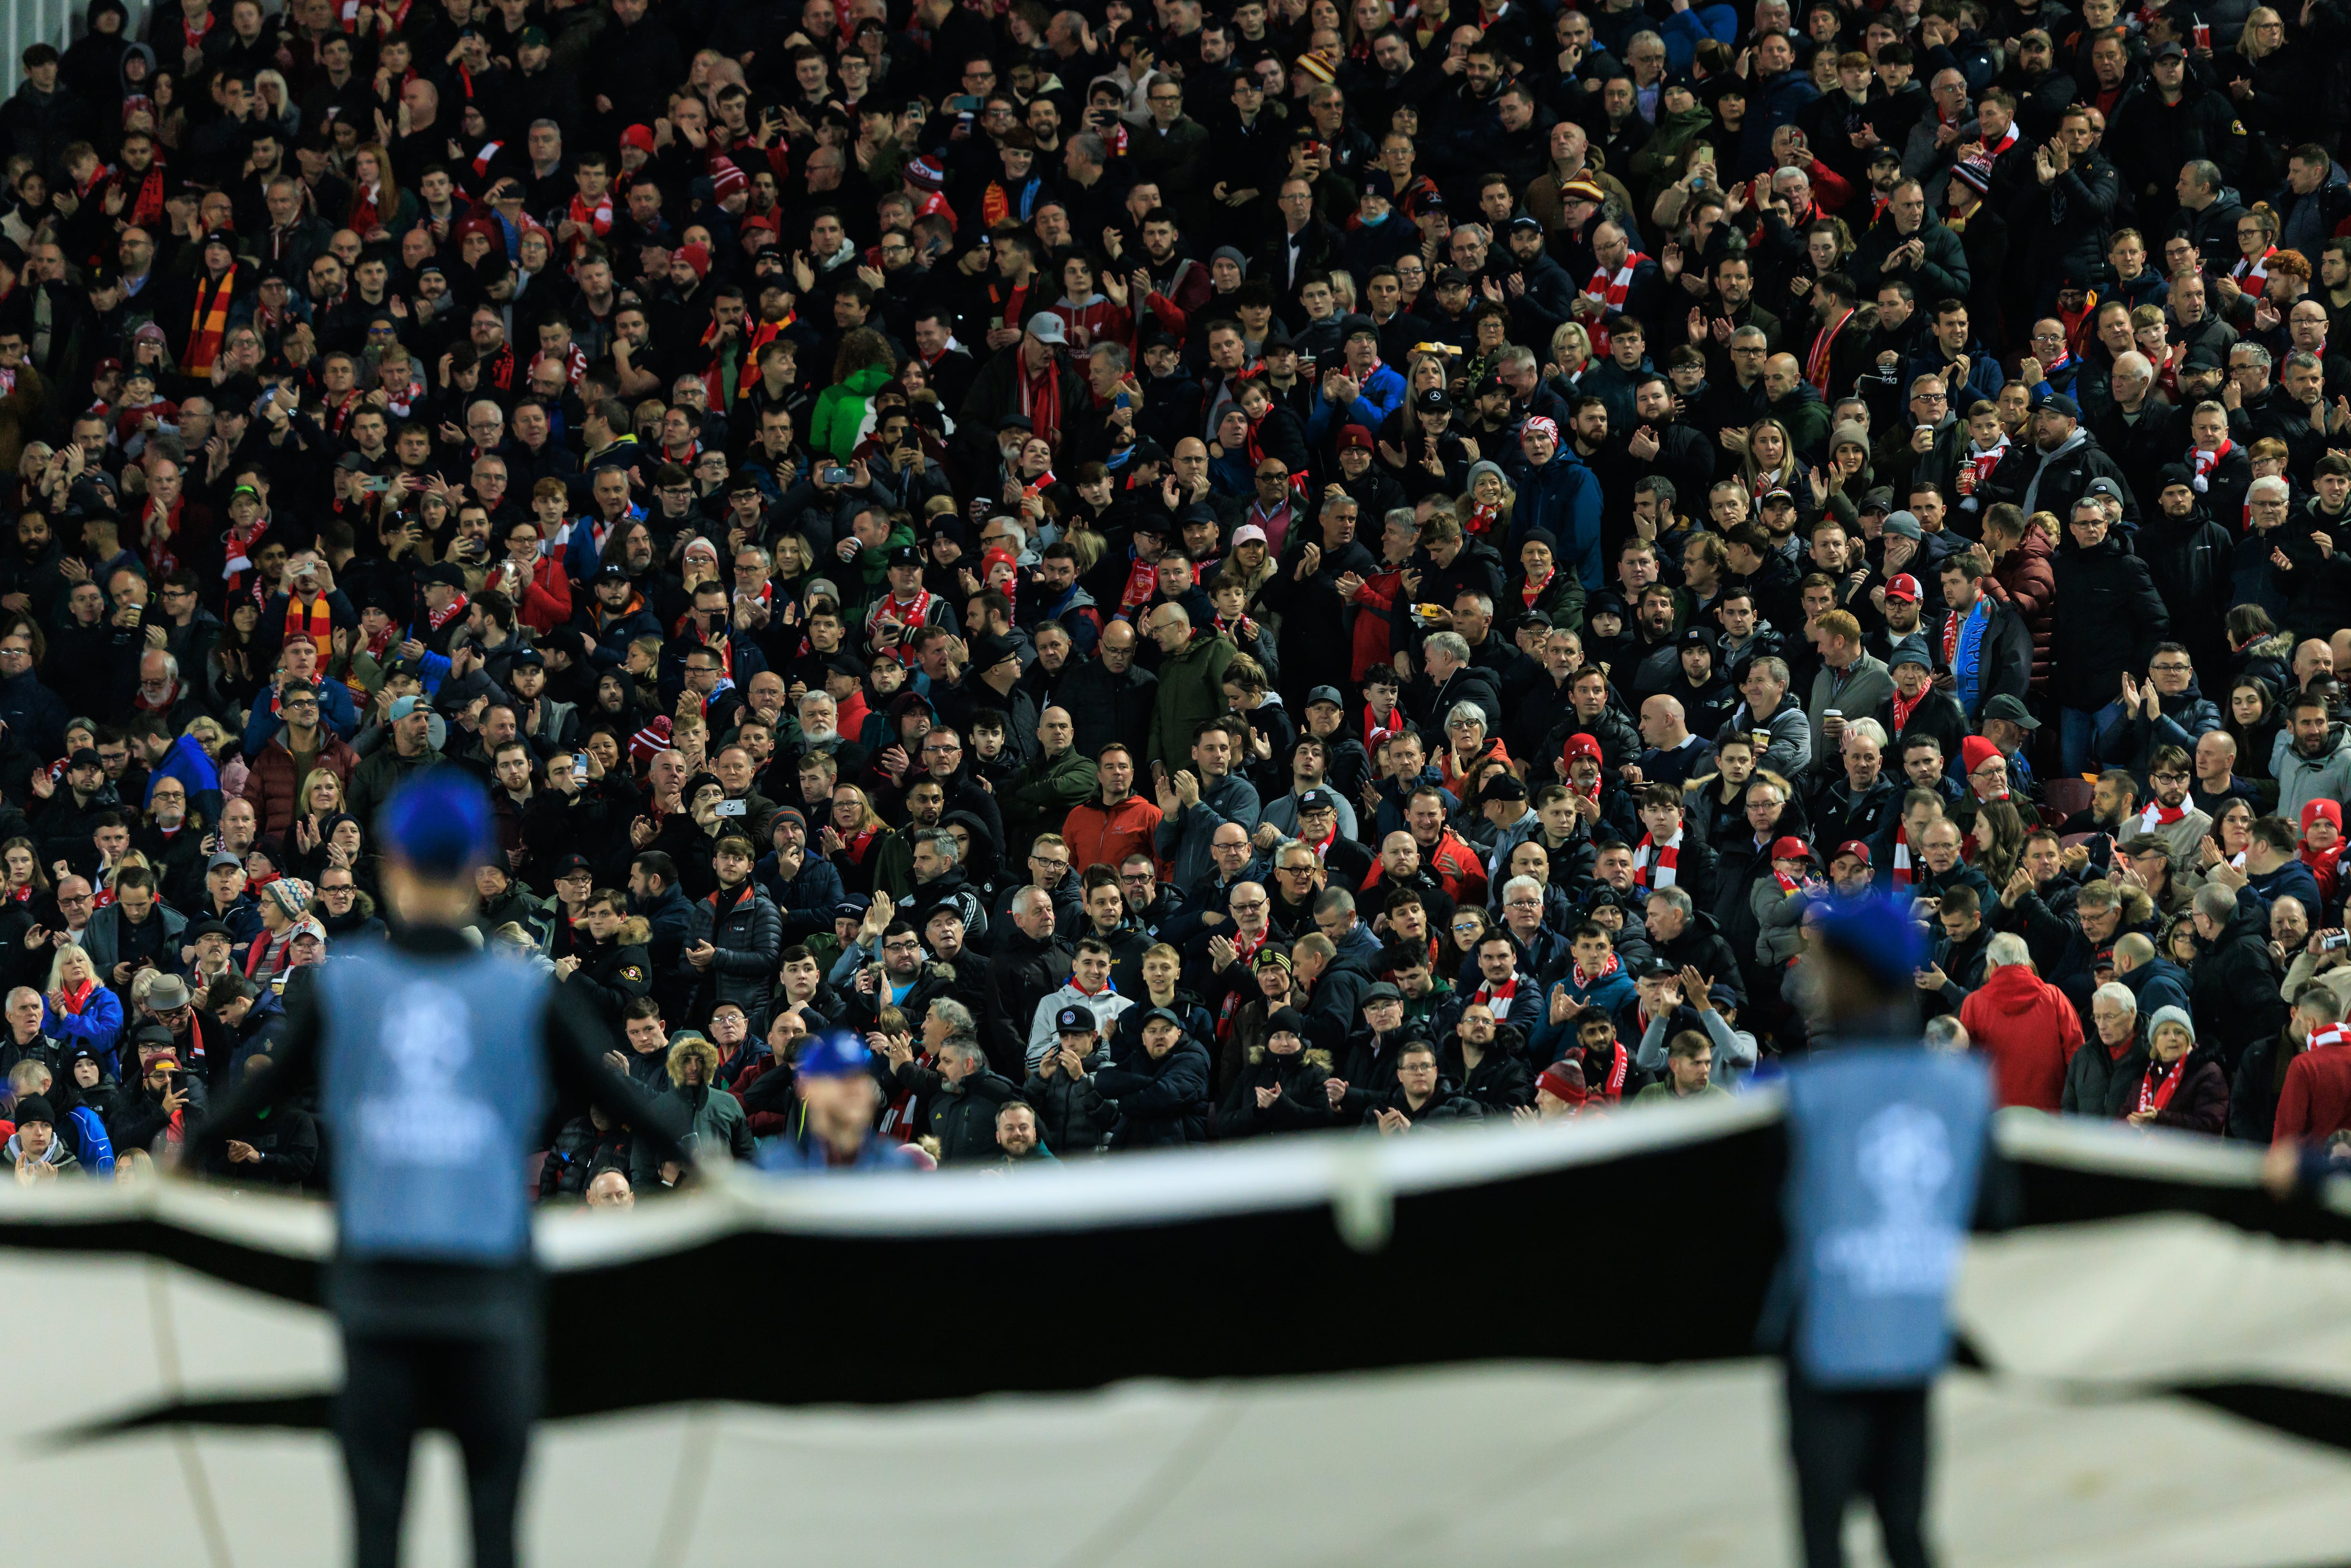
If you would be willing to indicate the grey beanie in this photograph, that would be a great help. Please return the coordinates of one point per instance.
(2172, 1015)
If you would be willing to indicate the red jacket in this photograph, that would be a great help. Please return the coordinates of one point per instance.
(1105, 836)
(1372, 606)
(2029, 1029)
(2316, 1099)
(546, 600)
(2026, 579)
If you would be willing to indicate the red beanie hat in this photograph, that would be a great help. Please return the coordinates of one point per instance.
(2313, 810)
(1975, 750)
(697, 256)
(1564, 1081)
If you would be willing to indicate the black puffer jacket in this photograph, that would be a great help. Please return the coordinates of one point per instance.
(961, 1117)
(1073, 1118)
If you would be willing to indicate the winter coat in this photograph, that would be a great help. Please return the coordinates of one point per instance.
(273, 791)
(2301, 780)
(2238, 998)
(1302, 1107)
(1191, 689)
(2092, 1078)
(748, 937)
(2029, 1029)
(1021, 973)
(1073, 1118)
(2026, 580)
(1159, 1102)
(1446, 1104)
(2113, 619)
(2201, 1103)
(961, 1117)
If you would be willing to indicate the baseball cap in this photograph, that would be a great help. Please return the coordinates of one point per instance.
(1790, 849)
(1157, 1014)
(2010, 708)
(1903, 586)
(1385, 992)
(1852, 847)
(1075, 1020)
(221, 859)
(1325, 695)
(1046, 328)
(1317, 800)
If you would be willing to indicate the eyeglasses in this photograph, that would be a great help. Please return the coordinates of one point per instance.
(1249, 908)
(907, 946)
(1044, 861)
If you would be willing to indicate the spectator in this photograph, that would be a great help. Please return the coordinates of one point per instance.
(1160, 1097)
(2025, 1024)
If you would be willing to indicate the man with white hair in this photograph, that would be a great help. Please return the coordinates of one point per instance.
(2025, 1024)
(2091, 1077)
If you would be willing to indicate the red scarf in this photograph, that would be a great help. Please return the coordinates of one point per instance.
(78, 997)
(147, 202)
(1983, 463)
(2156, 1089)
(367, 209)
(1040, 397)
(1142, 582)
(1903, 875)
(1584, 982)
(1788, 884)
(1534, 585)
(858, 843)
(1612, 291)
(2251, 273)
(1610, 1084)
(2205, 462)
(2158, 815)
(1480, 522)
(196, 36)
(456, 608)
(1816, 363)
(1664, 866)
(1245, 951)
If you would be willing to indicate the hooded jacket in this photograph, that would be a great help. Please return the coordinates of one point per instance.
(2030, 1030)
(1301, 1106)
(2113, 619)
(1159, 1102)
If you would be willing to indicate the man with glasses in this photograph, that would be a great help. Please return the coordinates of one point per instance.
(1170, 148)
(302, 745)
(1299, 878)
(350, 914)
(33, 713)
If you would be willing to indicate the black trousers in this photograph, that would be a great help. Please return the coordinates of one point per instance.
(483, 1392)
(1867, 1440)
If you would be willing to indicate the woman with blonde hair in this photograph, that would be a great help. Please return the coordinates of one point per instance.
(851, 836)
(1768, 462)
(1570, 356)
(77, 1008)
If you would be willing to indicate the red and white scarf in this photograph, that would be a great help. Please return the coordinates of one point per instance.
(1788, 886)
(2204, 462)
(1534, 585)
(910, 614)
(1612, 291)
(1662, 864)
(1584, 982)
(597, 220)
(456, 608)
(2158, 815)
(1903, 874)
(1905, 706)
(1609, 1084)
(2253, 272)
(1983, 463)
(1497, 998)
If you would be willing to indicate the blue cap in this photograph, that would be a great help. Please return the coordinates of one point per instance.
(1873, 931)
(439, 823)
(835, 1055)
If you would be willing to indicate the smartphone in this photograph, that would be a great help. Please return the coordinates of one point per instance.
(730, 809)
(2334, 940)
(580, 763)
(834, 473)
(1123, 400)
(373, 484)
(962, 103)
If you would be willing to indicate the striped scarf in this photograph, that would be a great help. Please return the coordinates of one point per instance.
(208, 322)
(317, 623)
(1661, 865)
(1611, 291)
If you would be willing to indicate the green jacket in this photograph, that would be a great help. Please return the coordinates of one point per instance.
(1661, 1093)
(1191, 689)
(867, 579)
(1659, 162)
(1040, 797)
(840, 410)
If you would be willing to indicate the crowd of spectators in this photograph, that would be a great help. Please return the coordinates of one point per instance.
(1185, 573)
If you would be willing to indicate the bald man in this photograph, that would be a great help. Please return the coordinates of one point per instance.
(1674, 754)
(1039, 797)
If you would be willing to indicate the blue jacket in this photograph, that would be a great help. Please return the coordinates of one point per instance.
(807, 901)
(1562, 496)
(187, 762)
(335, 709)
(1685, 30)
(1614, 993)
(96, 1026)
(34, 713)
(1380, 396)
(2292, 879)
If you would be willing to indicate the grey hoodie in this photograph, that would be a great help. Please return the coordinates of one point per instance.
(2301, 780)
